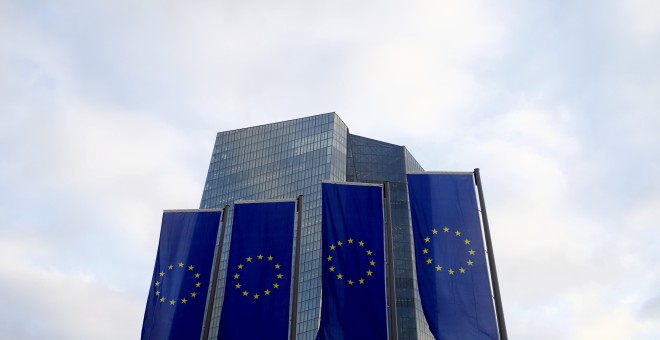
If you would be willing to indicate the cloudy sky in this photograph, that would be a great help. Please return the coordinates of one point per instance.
(109, 109)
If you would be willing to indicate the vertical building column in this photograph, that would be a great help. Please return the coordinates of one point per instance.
(296, 273)
(210, 302)
(391, 289)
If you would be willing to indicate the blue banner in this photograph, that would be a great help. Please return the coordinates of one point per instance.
(354, 290)
(452, 271)
(182, 273)
(258, 284)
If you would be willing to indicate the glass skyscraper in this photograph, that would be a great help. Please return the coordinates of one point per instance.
(286, 159)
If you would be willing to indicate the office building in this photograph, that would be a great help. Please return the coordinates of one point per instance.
(291, 158)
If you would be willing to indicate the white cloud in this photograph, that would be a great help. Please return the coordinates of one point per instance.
(44, 301)
(602, 317)
(640, 20)
(420, 78)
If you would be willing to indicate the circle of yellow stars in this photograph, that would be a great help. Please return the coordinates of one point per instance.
(438, 268)
(161, 278)
(334, 248)
(254, 295)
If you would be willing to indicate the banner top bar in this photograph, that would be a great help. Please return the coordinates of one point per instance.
(353, 183)
(440, 173)
(265, 201)
(193, 210)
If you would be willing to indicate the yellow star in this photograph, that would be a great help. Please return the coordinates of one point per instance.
(471, 252)
(180, 264)
(435, 231)
(339, 276)
(193, 294)
(427, 239)
(329, 258)
(372, 263)
(270, 257)
(172, 302)
(245, 293)
(438, 268)
(260, 257)
(190, 267)
(361, 281)
(350, 241)
(369, 272)
(277, 266)
(339, 243)
(332, 269)
(170, 267)
(469, 262)
(162, 274)
(197, 275)
(445, 229)
(425, 251)
(184, 300)
(162, 299)
(240, 266)
(279, 276)
(458, 233)
(256, 296)
(361, 244)
(467, 241)
(157, 283)
(451, 272)
(249, 259)
(429, 260)
(332, 247)
(276, 285)
(369, 252)
(198, 284)
(350, 282)
(462, 270)
(157, 292)
(267, 292)
(236, 276)
(238, 286)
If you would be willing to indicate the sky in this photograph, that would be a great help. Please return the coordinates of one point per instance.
(109, 110)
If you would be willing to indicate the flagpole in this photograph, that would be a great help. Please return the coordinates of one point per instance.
(491, 260)
(391, 290)
(296, 272)
(214, 279)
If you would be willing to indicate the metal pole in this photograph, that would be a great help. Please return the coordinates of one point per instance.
(491, 260)
(391, 290)
(214, 279)
(296, 272)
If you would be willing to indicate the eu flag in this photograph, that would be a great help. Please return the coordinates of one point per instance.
(258, 285)
(353, 292)
(181, 278)
(452, 272)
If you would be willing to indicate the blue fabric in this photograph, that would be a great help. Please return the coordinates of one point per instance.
(353, 294)
(452, 272)
(181, 278)
(259, 271)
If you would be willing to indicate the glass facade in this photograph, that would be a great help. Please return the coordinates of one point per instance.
(373, 161)
(286, 159)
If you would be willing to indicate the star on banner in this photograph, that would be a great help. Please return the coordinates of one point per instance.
(172, 286)
(346, 256)
(430, 259)
(268, 272)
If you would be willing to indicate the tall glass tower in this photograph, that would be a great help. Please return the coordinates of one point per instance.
(286, 159)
